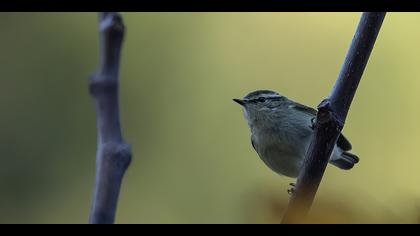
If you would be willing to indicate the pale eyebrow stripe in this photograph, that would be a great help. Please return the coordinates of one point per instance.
(276, 98)
(271, 95)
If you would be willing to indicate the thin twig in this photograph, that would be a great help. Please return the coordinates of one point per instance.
(332, 113)
(113, 154)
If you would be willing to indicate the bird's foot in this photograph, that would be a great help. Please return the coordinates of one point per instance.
(291, 190)
(313, 121)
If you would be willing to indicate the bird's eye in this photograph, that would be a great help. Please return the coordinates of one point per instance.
(261, 99)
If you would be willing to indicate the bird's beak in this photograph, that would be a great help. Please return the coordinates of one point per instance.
(239, 101)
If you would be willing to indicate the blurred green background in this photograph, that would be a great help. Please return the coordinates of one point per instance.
(193, 161)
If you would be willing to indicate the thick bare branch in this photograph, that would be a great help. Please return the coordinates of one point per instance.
(332, 113)
(113, 154)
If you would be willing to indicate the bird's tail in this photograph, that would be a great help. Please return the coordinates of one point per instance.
(346, 161)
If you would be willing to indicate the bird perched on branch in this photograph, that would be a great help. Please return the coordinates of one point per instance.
(281, 132)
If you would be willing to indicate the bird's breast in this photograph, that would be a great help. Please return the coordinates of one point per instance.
(281, 151)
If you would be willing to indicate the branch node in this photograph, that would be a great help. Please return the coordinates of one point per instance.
(325, 113)
(112, 23)
(102, 85)
(117, 154)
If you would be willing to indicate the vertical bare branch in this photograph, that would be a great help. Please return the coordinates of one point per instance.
(332, 113)
(113, 154)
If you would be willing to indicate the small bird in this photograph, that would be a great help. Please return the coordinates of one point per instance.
(282, 131)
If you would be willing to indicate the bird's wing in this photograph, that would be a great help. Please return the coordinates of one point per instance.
(304, 109)
(342, 141)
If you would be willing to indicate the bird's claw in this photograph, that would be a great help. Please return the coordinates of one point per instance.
(291, 190)
(313, 121)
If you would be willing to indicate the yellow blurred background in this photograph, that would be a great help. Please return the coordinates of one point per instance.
(193, 161)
